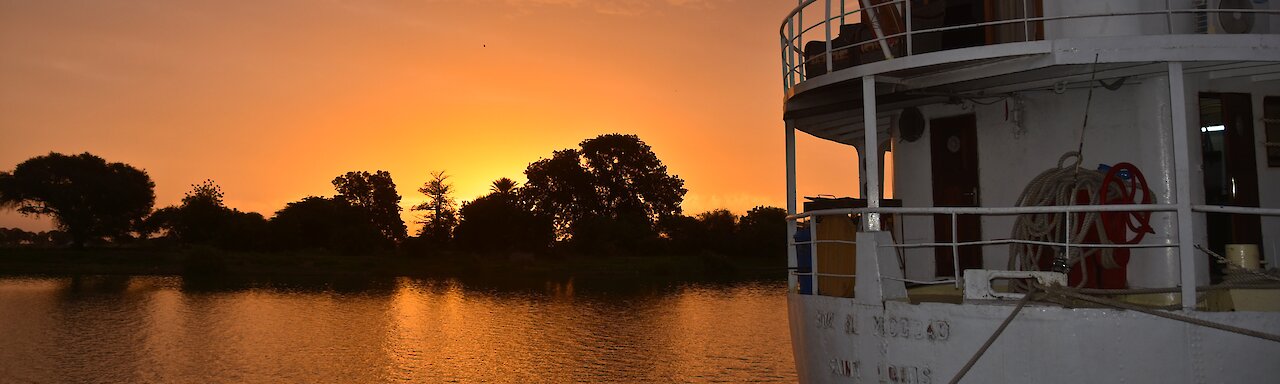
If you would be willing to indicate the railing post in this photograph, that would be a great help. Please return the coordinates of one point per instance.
(908, 17)
(1026, 26)
(792, 261)
(813, 253)
(955, 252)
(827, 23)
(843, 11)
(1063, 263)
(870, 154)
(791, 53)
(786, 67)
(1182, 178)
(798, 39)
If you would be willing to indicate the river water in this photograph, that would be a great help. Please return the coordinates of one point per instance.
(158, 329)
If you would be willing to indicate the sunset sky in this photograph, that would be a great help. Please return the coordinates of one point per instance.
(273, 99)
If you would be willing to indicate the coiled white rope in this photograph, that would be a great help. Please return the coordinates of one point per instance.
(1060, 187)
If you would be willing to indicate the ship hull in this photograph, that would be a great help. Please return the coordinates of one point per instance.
(838, 340)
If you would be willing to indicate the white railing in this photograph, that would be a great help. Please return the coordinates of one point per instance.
(794, 31)
(954, 244)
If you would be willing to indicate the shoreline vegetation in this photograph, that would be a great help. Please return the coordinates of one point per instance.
(607, 210)
(210, 265)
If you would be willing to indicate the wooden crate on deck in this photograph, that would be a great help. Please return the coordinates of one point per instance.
(837, 258)
(840, 258)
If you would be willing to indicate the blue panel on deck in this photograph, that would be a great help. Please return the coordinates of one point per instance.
(804, 261)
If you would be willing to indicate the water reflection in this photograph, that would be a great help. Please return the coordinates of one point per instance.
(151, 329)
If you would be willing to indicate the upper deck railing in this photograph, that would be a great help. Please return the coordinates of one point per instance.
(848, 33)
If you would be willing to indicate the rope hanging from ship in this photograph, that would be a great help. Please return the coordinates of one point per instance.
(1237, 276)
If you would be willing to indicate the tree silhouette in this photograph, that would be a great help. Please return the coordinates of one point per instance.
(683, 234)
(206, 192)
(561, 188)
(440, 215)
(500, 222)
(332, 224)
(15, 236)
(503, 186)
(203, 218)
(763, 232)
(244, 231)
(375, 193)
(624, 234)
(87, 197)
(719, 228)
(614, 181)
(198, 220)
(630, 178)
(711, 231)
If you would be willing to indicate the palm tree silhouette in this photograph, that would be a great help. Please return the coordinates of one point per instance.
(503, 186)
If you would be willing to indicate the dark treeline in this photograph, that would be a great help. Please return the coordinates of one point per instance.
(611, 196)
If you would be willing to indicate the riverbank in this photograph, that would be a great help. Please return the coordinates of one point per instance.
(198, 263)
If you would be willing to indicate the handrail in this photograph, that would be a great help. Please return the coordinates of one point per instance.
(1235, 209)
(992, 210)
(800, 7)
(990, 242)
(793, 42)
(1066, 241)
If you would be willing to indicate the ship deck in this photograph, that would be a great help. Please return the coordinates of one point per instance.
(830, 105)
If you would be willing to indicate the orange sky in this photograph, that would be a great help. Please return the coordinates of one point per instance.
(272, 99)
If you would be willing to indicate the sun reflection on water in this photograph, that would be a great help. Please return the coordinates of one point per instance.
(148, 329)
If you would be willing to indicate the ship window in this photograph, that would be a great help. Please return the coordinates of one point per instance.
(1271, 118)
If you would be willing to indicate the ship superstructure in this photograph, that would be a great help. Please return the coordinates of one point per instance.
(1094, 164)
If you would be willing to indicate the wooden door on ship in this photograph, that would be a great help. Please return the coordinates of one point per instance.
(1230, 170)
(954, 149)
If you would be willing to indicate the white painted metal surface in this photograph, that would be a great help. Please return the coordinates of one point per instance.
(1064, 20)
(978, 283)
(878, 336)
(1152, 67)
(870, 154)
(1182, 179)
(897, 342)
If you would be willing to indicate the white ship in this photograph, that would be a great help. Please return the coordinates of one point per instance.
(1081, 191)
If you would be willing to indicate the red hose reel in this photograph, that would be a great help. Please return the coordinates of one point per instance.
(1133, 190)
(1120, 227)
